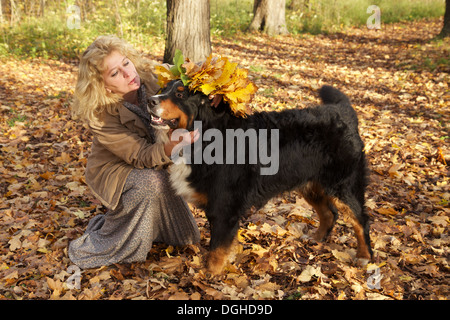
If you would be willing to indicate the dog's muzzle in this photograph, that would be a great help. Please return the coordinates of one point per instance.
(155, 110)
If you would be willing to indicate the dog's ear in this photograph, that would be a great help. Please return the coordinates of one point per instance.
(207, 112)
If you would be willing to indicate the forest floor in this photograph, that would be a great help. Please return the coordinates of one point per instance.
(398, 81)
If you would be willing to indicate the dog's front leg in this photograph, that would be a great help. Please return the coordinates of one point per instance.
(223, 233)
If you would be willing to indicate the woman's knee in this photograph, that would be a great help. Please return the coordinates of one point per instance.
(150, 181)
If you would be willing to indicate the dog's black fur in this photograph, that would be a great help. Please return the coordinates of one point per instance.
(320, 155)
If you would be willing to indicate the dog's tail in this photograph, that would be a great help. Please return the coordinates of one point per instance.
(330, 95)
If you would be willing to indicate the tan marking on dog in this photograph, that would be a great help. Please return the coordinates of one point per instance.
(200, 199)
(218, 257)
(326, 218)
(363, 247)
(170, 110)
(316, 197)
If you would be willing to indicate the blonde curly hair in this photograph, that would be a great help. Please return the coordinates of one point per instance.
(91, 97)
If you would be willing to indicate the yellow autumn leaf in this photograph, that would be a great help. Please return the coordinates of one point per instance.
(64, 158)
(227, 73)
(207, 88)
(169, 250)
(387, 211)
(241, 95)
(164, 75)
(47, 175)
(191, 67)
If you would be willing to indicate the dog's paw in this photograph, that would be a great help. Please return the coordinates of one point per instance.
(319, 236)
(362, 262)
(216, 261)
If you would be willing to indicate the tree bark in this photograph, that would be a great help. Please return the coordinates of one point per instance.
(1, 13)
(14, 14)
(269, 17)
(188, 29)
(445, 32)
(118, 19)
(42, 8)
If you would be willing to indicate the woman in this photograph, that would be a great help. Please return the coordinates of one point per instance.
(125, 167)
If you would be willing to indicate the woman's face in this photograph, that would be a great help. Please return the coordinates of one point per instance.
(120, 76)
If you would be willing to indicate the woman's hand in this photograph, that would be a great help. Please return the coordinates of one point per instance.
(179, 140)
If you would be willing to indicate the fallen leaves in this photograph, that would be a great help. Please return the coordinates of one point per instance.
(404, 114)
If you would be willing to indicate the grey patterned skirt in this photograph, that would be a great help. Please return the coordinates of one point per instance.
(148, 211)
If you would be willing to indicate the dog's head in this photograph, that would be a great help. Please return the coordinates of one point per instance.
(176, 107)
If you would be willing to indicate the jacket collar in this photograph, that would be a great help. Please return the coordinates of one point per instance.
(138, 113)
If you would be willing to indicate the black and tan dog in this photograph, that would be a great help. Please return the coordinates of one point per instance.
(320, 154)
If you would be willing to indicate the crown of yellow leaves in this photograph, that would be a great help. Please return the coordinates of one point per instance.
(216, 75)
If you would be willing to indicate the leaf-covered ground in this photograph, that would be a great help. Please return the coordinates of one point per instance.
(398, 81)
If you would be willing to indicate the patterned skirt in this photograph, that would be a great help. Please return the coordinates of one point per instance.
(148, 211)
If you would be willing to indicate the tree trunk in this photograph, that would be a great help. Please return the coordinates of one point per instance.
(1, 13)
(118, 19)
(188, 29)
(269, 17)
(14, 15)
(445, 32)
(42, 8)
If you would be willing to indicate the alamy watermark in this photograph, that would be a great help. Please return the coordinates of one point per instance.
(236, 147)
(74, 281)
(374, 281)
(374, 21)
(73, 17)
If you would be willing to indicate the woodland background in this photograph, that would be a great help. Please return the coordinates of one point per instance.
(397, 78)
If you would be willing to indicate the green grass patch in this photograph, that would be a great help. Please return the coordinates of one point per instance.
(324, 16)
(143, 22)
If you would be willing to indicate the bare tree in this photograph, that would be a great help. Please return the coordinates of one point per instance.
(42, 8)
(1, 12)
(188, 29)
(14, 13)
(269, 17)
(445, 32)
(118, 18)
